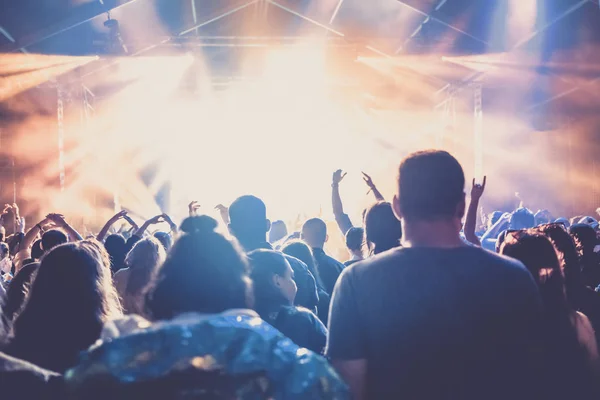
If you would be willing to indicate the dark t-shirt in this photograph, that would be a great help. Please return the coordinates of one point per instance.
(300, 325)
(439, 324)
(329, 269)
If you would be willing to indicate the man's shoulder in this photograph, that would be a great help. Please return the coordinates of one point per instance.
(399, 257)
(333, 261)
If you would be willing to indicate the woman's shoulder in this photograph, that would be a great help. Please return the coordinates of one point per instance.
(300, 314)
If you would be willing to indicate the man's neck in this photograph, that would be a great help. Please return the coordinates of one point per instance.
(439, 234)
(250, 244)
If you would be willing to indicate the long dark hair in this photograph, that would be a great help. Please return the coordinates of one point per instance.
(586, 240)
(568, 257)
(204, 272)
(264, 265)
(302, 252)
(70, 299)
(566, 357)
(383, 231)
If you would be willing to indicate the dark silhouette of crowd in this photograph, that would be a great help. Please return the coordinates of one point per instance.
(433, 301)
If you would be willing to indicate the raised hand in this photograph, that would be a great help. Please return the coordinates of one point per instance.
(120, 215)
(338, 176)
(16, 210)
(478, 189)
(131, 221)
(157, 220)
(193, 208)
(56, 219)
(368, 180)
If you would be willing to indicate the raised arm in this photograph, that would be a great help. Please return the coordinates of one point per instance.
(471, 219)
(152, 221)
(59, 221)
(172, 225)
(113, 220)
(24, 252)
(372, 187)
(343, 221)
(497, 228)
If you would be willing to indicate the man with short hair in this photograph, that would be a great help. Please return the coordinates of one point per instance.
(314, 233)
(435, 318)
(249, 224)
(355, 241)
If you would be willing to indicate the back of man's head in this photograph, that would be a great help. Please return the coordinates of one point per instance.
(53, 238)
(248, 219)
(430, 187)
(355, 238)
(522, 218)
(314, 233)
(278, 231)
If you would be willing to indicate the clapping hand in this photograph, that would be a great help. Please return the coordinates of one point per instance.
(478, 189)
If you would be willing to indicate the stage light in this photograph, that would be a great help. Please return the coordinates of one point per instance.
(116, 45)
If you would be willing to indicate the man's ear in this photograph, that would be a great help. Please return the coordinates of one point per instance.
(326, 238)
(396, 207)
(268, 225)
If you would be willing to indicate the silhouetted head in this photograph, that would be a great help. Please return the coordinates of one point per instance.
(272, 278)
(302, 252)
(522, 218)
(585, 238)
(204, 272)
(278, 231)
(355, 239)
(430, 188)
(116, 246)
(591, 221)
(248, 221)
(542, 217)
(165, 239)
(53, 238)
(36, 250)
(314, 233)
(565, 222)
(383, 231)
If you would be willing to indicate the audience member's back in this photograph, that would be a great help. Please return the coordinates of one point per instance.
(435, 319)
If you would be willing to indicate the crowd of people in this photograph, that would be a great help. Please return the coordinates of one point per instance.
(428, 304)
